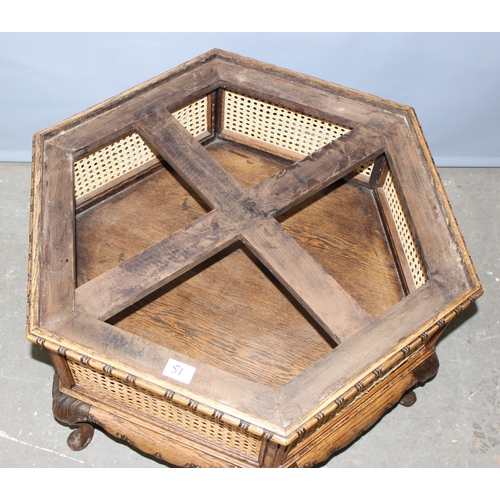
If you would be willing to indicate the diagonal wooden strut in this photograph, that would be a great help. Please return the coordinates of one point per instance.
(239, 214)
(305, 178)
(191, 161)
(130, 281)
(327, 302)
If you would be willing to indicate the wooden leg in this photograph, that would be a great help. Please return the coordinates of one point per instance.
(81, 437)
(422, 374)
(70, 411)
(408, 399)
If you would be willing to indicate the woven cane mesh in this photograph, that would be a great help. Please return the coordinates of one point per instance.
(278, 126)
(107, 387)
(110, 162)
(365, 171)
(194, 117)
(130, 152)
(404, 232)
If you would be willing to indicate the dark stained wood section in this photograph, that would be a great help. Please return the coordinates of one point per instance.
(440, 248)
(57, 246)
(231, 302)
(341, 228)
(308, 176)
(143, 273)
(231, 313)
(282, 255)
(325, 300)
(132, 220)
(191, 161)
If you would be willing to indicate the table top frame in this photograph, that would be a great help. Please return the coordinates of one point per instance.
(71, 320)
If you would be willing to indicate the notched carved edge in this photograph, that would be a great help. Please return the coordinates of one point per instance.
(169, 395)
(428, 337)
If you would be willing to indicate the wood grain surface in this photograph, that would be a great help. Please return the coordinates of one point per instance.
(231, 303)
(278, 276)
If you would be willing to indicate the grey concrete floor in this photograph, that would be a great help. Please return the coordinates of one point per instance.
(454, 423)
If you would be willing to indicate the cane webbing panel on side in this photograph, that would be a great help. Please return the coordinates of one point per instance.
(110, 162)
(194, 117)
(404, 232)
(365, 171)
(130, 152)
(138, 399)
(278, 126)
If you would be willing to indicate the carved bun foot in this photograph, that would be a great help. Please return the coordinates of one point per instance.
(81, 437)
(408, 399)
(422, 374)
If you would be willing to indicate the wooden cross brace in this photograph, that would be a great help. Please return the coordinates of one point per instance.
(239, 214)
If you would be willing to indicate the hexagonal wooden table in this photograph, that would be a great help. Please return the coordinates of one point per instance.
(236, 265)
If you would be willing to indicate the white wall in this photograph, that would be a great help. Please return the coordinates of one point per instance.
(451, 79)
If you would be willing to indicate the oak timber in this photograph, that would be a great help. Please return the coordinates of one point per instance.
(279, 278)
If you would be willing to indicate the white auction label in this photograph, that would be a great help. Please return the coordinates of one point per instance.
(179, 371)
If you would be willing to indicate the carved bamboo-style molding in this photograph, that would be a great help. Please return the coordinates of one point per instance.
(320, 418)
(361, 386)
(138, 382)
